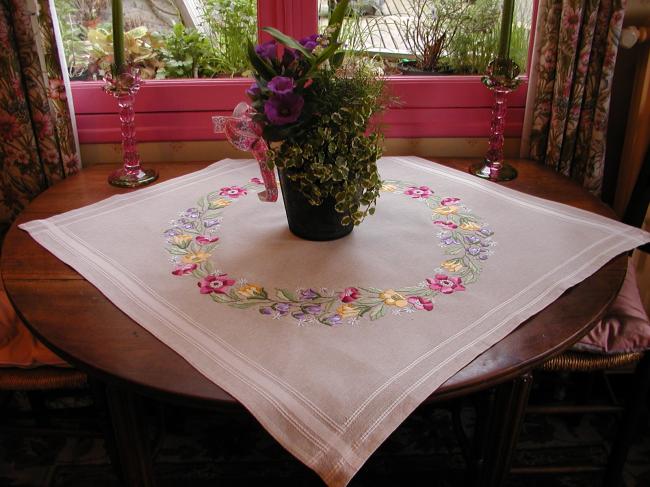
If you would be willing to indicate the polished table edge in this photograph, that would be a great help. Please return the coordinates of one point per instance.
(455, 386)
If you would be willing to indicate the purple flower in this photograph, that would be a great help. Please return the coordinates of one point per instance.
(281, 85)
(283, 109)
(472, 239)
(474, 250)
(308, 294)
(448, 240)
(253, 91)
(268, 50)
(313, 309)
(266, 311)
(310, 42)
(282, 308)
(333, 320)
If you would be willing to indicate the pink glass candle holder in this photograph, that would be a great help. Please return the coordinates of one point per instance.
(124, 87)
(501, 78)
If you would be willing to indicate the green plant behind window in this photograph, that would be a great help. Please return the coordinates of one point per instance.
(230, 25)
(187, 53)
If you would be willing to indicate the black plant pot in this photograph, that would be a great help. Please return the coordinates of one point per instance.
(310, 222)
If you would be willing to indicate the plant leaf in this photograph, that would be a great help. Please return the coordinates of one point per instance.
(289, 42)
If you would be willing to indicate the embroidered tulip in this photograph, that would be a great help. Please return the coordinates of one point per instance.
(418, 192)
(195, 257)
(446, 285)
(281, 85)
(347, 311)
(420, 303)
(349, 294)
(184, 269)
(215, 284)
(306, 294)
(390, 188)
(257, 181)
(284, 109)
(449, 201)
(391, 298)
(452, 265)
(181, 241)
(203, 240)
(470, 226)
(445, 224)
(233, 191)
(250, 290)
(218, 203)
(446, 210)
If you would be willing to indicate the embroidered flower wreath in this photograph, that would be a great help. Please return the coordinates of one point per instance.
(465, 239)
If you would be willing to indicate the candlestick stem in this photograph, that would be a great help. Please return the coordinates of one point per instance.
(118, 35)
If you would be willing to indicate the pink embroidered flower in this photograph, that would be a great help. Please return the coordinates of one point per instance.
(442, 223)
(420, 303)
(349, 294)
(215, 284)
(184, 269)
(256, 181)
(418, 192)
(445, 284)
(233, 191)
(449, 201)
(202, 240)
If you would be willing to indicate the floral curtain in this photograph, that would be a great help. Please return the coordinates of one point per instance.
(37, 141)
(573, 67)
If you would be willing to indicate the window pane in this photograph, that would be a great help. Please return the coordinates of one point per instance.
(432, 36)
(166, 38)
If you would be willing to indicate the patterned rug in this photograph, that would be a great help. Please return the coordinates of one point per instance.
(201, 448)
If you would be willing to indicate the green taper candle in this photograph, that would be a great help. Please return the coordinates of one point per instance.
(118, 34)
(506, 28)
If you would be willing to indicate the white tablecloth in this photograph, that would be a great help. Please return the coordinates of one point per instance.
(331, 345)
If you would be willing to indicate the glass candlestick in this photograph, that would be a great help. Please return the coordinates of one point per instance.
(123, 87)
(501, 78)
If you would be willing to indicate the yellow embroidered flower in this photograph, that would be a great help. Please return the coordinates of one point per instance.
(446, 210)
(181, 241)
(218, 203)
(391, 188)
(391, 298)
(249, 290)
(347, 311)
(452, 265)
(195, 257)
(471, 226)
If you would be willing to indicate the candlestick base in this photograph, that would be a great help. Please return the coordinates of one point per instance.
(493, 172)
(124, 178)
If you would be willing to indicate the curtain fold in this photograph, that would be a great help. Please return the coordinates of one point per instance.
(37, 141)
(576, 46)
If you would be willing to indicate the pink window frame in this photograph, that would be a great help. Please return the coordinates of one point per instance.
(180, 110)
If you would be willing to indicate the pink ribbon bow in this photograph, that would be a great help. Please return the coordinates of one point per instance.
(246, 135)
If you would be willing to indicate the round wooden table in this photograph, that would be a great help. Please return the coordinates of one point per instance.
(73, 318)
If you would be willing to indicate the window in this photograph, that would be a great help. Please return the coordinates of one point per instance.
(192, 52)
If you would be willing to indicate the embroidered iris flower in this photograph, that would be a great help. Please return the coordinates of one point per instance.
(306, 294)
(215, 284)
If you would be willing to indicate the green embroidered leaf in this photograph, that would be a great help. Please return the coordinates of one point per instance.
(244, 304)
(377, 312)
(220, 298)
(177, 251)
(284, 295)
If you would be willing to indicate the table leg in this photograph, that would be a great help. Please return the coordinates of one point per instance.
(128, 438)
(504, 418)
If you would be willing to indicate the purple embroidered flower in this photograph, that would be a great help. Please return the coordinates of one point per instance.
(184, 269)
(306, 294)
(233, 191)
(253, 91)
(333, 320)
(282, 308)
(210, 223)
(420, 303)
(266, 311)
(472, 239)
(299, 315)
(474, 251)
(349, 294)
(172, 232)
(445, 284)
(486, 231)
(203, 240)
(215, 284)
(310, 42)
(418, 192)
(281, 85)
(267, 50)
(446, 224)
(448, 240)
(191, 213)
(283, 109)
(313, 309)
(449, 201)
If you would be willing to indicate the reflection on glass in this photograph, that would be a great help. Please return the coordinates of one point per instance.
(432, 36)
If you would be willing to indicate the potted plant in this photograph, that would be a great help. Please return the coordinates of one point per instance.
(314, 108)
